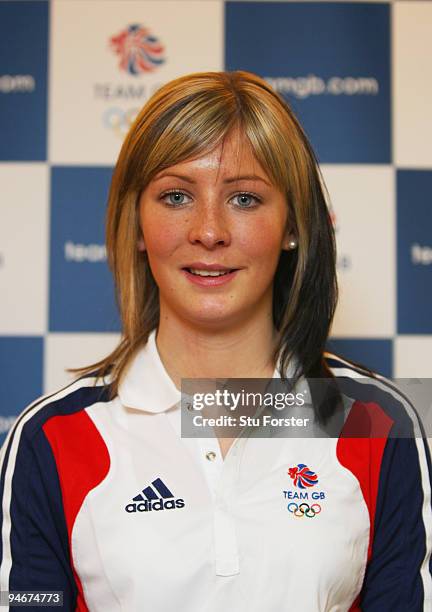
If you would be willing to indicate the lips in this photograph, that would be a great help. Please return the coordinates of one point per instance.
(210, 267)
(209, 273)
(210, 280)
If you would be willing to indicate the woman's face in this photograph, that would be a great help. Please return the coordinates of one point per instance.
(218, 210)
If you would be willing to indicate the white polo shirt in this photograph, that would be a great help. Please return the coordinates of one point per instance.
(157, 522)
(233, 545)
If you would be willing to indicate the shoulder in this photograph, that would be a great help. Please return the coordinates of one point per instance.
(383, 440)
(50, 439)
(73, 399)
(382, 397)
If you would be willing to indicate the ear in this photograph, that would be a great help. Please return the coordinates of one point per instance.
(141, 244)
(290, 241)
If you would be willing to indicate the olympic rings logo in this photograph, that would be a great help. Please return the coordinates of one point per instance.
(304, 510)
(119, 120)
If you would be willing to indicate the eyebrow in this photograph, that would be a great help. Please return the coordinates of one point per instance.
(234, 179)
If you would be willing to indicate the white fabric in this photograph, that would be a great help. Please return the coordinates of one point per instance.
(234, 545)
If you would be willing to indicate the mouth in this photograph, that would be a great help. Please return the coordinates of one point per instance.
(209, 278)
(210, 273)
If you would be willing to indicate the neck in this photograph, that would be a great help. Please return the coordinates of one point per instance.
(241, 351)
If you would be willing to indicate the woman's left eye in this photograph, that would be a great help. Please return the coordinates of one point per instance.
(174, 198)
(247, 200)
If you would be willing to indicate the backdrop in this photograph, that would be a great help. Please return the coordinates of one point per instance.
(73, 74)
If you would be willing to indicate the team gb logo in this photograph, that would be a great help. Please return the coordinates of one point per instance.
(302, 476)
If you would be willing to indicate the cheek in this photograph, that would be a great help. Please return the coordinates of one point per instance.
(262, 239)
(161, 236)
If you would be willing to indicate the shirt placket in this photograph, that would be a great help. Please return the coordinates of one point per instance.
(222, 477)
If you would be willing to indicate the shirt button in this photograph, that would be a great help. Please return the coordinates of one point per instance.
(210, 456)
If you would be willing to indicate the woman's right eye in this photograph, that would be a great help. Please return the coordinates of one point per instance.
(174, 198)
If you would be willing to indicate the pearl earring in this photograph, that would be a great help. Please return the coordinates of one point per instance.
(292, 244)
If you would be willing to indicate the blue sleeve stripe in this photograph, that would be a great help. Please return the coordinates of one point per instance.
(39, 408)
(346, 369)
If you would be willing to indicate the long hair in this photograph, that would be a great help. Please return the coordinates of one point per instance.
(186, 118)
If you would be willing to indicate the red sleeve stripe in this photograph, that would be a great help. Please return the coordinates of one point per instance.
(72, 438)
(8, 458)
(364, 436)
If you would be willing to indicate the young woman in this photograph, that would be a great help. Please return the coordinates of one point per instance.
(222, 250)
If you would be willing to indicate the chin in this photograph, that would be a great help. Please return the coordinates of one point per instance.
(216, 319)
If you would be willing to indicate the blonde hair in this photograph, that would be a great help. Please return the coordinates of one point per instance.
(186, 118)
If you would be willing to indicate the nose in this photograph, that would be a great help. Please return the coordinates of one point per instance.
(209, 227)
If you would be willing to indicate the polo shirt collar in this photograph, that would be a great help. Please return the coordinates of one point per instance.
(146, 384)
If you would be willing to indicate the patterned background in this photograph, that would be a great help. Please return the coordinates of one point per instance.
(358, 74)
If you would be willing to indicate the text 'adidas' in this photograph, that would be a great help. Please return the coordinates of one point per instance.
(157, 496)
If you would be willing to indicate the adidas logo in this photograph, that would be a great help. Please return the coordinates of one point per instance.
(155, 497)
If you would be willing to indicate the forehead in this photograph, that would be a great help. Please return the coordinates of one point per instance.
(233, 156)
